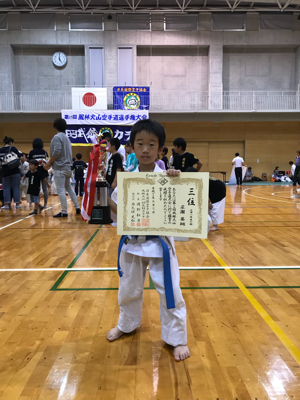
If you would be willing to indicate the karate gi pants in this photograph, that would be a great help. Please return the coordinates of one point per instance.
(131, 289)
(217, 212)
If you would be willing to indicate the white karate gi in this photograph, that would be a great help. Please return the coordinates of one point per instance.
(135, 256)
(217, 212)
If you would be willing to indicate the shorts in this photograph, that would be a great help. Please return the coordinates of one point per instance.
(35, 199)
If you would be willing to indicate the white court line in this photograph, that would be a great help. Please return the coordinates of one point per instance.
(274, 194)
(29, 216)
(265, 198)
(115, 269)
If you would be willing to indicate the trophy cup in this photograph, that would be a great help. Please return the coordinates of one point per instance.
(101, 211)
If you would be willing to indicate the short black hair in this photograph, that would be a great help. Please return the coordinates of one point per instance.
(180, 142)
(79, 156)
(37, 143)
(237, 154)
(115, 142)
(60, 124)
(105, 135)
(291, 162)
(34, 162)
(128, 144)
(150, 126)
(191, 169)
(8, 140)
(165, 150)
(249, 167)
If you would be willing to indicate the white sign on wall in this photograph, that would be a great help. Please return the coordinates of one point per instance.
(89, 98)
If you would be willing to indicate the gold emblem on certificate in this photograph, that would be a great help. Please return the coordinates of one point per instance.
(156, 204)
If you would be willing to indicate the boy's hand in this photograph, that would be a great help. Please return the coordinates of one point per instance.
(49, 186)
(173, 172)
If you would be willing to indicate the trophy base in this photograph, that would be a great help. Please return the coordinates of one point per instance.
(100, 215)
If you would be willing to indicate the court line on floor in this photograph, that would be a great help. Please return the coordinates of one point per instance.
(264, 198)
(29, 216)
(289, 345)
(188, 288)
(61, 278)
(115, 269)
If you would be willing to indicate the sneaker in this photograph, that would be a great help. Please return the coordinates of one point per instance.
(18, 207)
(33, 212)
(60, 215)
(6, 207)
(41, 208)
(78, 211)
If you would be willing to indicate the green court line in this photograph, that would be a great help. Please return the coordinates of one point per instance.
(61, 278)
(152, 287)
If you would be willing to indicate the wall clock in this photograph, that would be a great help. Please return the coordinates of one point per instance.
(59, 59)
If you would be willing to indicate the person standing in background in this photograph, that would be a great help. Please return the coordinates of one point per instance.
(238, 162)
(79, 166)
(38, 153)
(24, 184)
(165, 158)
(131, 160)
(10, 176)
(297, 169)
(61, 162)
(183, 160)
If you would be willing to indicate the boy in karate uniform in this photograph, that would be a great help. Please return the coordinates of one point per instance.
(148, 138)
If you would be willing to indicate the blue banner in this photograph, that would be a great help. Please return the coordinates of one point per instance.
(83, 135)
(131, 97)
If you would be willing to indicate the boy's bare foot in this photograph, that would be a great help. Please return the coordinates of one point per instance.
(114, 334)
(214, 228)
(181, 352)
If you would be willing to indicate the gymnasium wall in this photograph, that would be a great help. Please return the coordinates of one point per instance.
(273, 143)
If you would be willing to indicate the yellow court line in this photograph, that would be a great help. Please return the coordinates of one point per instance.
(262, 312)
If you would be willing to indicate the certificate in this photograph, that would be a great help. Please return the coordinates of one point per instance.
(153, 203)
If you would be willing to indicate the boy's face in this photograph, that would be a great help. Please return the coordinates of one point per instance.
(146, 147)
(32, 167)
(176, 148)
(110, 148)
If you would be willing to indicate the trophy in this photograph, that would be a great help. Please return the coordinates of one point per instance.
(101, 211)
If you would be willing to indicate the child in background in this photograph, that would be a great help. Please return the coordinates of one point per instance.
(165, 158)
(114, 164)
(148, 138)
(160, 163)
(131, 160)
(34, 180)
(79, 166)
(182, 159)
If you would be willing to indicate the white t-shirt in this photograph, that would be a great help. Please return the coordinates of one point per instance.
(141, 247)
(293, 169)
(238, 162)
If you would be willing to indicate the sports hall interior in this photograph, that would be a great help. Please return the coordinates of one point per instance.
(223, 75)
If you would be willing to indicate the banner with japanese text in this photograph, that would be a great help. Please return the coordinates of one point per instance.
(82, 127)
(131, 98)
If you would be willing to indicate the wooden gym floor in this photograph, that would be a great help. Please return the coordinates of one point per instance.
(243, 322)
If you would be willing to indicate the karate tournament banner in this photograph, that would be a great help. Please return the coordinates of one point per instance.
(131, 98)
(83, 126)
